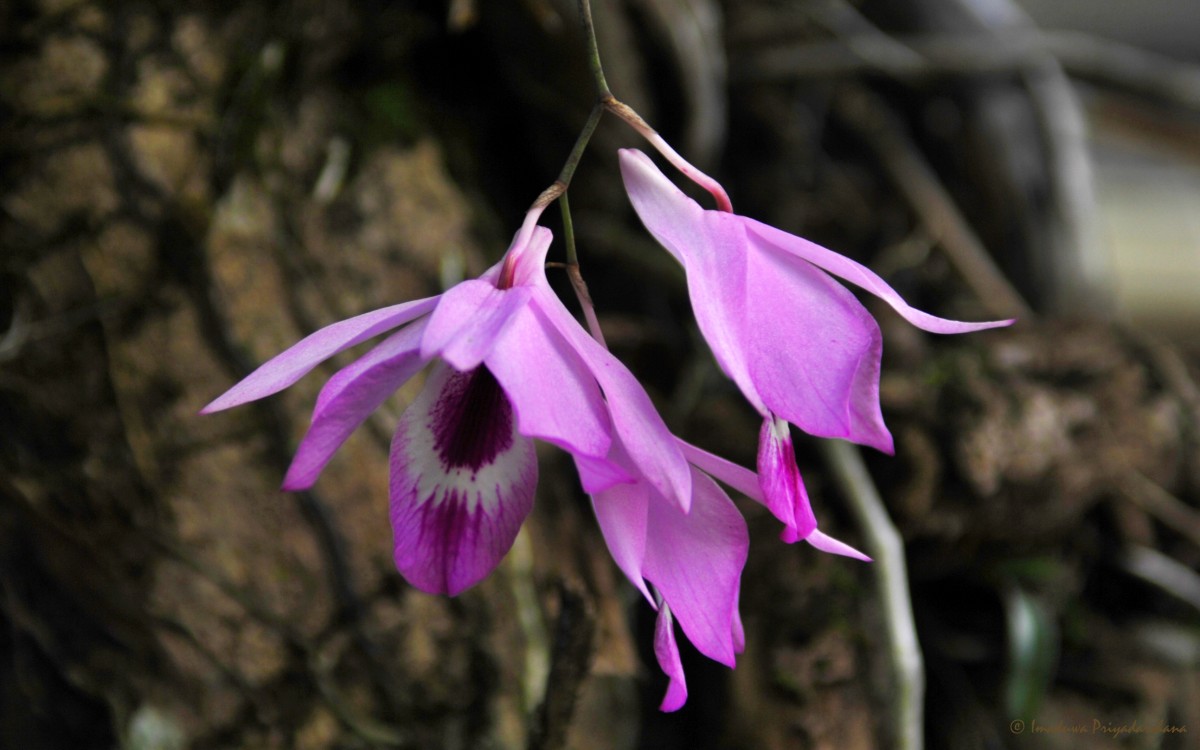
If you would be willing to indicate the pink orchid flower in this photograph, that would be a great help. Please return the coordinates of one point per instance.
(683, 545)
(510, 364)
(798, 344)
(688, 564)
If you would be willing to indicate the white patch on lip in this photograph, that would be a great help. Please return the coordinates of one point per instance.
(418, 457)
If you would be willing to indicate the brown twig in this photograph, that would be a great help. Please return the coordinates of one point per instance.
(571, 658)
(1164, 506)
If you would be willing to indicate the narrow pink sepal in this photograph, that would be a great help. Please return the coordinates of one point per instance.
(746, 482)
(826, 543)
(723, 470)
(462, 482)
(349, 398)
(666, 651)
(287, 367)
(468, 321)
(860, 275)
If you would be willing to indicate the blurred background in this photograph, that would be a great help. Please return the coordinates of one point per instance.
(188, 188)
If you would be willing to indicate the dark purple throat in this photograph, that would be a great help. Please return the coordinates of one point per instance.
(472, 421)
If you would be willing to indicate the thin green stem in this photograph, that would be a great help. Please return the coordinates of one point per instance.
(558, 189)
(568, 230)
(589, 31)
(606, 100)
(585, 136)
(574, 274)
(560, 185)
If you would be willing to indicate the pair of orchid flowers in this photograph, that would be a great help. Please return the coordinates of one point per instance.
(511, 364)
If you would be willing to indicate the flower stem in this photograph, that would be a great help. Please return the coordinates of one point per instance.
(605, 102)
(558, 192)
(589, 31)
(635, 121)
(622, 110)
(559, 187)
(568, 230)
(573, 273)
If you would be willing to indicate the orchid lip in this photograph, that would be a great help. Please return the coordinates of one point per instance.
(463, 481)
(471, 421)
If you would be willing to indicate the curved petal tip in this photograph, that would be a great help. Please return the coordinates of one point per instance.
(666, 651)
(826, 543)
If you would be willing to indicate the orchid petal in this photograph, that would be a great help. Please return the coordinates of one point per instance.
(462, 481)
(782, 488)
(796, 342)
(661, 205)
(826, 543)
(598, 474)
(695, 559)
(711, 247)
(739, 630)
(738, 477)
(621, 512)
(294, 363)
(860, 275)
(349, 398)
(666, 651)
(649, 443)
(746, 482)
(529, 267)
(468, 320)
(552, 391)
(814, 350)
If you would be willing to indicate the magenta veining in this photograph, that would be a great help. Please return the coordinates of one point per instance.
(472, 421)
